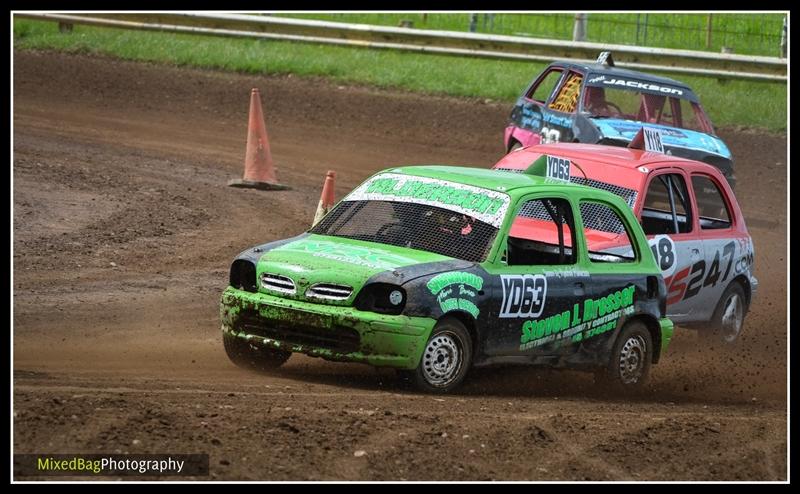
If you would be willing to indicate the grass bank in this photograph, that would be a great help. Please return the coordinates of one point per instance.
(744, 33)
(733, 103)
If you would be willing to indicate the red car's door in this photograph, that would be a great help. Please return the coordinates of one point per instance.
(668, 219)
(725, 241)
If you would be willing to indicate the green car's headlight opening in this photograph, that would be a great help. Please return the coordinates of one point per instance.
(383, 298)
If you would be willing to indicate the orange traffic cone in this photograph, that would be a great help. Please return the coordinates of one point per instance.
(326, 199)
(259, 171)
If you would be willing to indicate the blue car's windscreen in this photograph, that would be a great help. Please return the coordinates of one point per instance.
(630, 104)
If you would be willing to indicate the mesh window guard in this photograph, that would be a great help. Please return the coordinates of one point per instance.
(411, 225)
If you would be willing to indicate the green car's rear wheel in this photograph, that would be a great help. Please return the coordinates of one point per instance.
(629, 364)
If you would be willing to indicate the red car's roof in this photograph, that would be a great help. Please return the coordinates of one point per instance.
(617, 167)
(609, 155)
(599, 162)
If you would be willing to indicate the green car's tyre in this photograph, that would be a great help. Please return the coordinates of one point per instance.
(728, 320)
(629, 363)
(446, 359)
(248, 356)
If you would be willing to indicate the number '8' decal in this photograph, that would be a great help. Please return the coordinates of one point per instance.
(664, 252)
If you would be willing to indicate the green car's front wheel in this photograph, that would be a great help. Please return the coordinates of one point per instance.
(249, 356)
(446, 359)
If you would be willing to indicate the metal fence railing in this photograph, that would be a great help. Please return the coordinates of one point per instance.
(747, 34)
(471, 44)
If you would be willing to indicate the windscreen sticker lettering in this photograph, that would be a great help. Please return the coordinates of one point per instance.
(482, 204)
(591, 318)
(641, 85)
(633, 128)
(456, 291)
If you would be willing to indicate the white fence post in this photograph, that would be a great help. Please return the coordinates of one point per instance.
(784, 41)
(579, 33)
(473, 22)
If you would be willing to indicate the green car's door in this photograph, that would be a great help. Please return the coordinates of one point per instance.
(536, 281)
(618, 279)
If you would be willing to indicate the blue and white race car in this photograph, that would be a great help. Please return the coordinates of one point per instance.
(602, 104)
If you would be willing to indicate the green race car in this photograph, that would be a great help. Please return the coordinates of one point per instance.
(433, 270)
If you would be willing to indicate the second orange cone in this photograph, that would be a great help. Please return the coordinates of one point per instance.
(259, 170)
(326, 198)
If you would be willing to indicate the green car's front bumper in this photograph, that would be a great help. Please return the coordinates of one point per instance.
(328, 331)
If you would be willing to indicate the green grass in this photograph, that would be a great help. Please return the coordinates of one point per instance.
(734, 103)
(750, 34)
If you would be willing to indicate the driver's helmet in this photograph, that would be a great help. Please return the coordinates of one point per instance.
(594, 98)
(448, 221)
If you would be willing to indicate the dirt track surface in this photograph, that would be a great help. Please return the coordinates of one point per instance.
(123, 233)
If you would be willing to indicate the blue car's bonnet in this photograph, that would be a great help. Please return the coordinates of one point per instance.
(611, 128)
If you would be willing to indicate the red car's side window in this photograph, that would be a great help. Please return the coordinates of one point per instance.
(667, 209)
(712, 208)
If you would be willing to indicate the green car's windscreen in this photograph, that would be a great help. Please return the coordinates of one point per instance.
(415, 226)
(423, 213)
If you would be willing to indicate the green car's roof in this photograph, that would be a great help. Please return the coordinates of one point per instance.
(509, 182)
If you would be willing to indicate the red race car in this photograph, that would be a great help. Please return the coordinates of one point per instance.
(687, 209)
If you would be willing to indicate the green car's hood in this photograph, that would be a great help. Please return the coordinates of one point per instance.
(342, 261)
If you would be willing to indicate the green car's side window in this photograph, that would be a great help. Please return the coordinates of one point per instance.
(608, 238)
(542, 233)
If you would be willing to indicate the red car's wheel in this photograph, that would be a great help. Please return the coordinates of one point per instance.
(728, 320)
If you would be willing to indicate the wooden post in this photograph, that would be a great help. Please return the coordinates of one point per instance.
(708, 31)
